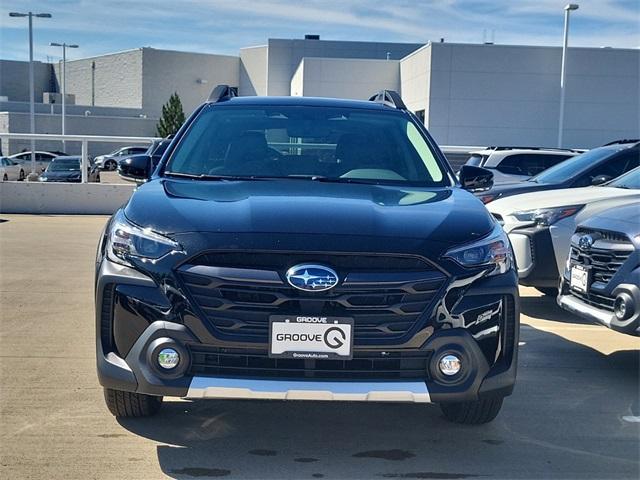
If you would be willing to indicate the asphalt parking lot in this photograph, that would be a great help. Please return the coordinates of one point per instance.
(574, 414)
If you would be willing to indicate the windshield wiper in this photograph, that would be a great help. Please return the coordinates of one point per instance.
(204, 176)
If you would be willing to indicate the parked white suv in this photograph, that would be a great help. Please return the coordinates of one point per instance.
(516, 164)
(540, 224)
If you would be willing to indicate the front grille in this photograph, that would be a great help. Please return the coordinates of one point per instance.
(603, 263)
(341, 262)
(364, 365)
(609, 251)
(385, 302)
(604, 235)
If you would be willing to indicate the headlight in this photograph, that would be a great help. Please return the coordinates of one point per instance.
(492, 252)
(547, 216)
(127, 241)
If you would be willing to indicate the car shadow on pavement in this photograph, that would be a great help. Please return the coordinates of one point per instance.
(574, 414)
(544, 307)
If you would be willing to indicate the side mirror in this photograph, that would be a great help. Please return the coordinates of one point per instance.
(600, 179)
(475, 179)
(136, 168)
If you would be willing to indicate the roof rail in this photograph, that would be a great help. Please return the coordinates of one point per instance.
(222, 93)
(621, 141)
(521, 147)
(390, 98)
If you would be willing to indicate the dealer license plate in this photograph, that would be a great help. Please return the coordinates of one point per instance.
(312, 337)
(579, 278)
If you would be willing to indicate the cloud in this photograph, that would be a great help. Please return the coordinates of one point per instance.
(224, 26)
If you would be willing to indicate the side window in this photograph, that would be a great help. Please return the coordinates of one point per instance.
(613, 167)
(551, 160)
(522, 164)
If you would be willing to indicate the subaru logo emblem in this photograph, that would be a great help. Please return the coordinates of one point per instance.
(312, 278)
(585, 242)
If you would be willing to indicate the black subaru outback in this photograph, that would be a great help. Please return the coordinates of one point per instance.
(306, 249)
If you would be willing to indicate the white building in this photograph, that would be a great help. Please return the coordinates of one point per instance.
(467, 94)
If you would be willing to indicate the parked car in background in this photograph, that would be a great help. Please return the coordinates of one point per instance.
(68, 169)
(42, 159)
(153, 154)
(601, 280)
(540, 224)
(110, 160)
(458, 155)
(11, 170)
(515, 164)
(594, 167)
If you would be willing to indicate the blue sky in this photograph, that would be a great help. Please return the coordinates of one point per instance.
(224, 26)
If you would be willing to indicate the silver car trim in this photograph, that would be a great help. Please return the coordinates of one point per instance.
(240, 388)
(574, 304)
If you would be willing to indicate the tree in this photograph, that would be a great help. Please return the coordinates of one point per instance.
(172, 116)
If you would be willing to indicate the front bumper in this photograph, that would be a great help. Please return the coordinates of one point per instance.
(573, 304)
(141, 327)
(261, 389)
(535, 256)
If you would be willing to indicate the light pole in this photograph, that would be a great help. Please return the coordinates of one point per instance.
(64, 80)
(32, 108)
(563, 79)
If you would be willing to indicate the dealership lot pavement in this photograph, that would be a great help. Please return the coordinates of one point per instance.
(574, 413)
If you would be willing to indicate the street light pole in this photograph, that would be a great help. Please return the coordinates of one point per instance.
(64, 82)
(32, 108)
(567, 10)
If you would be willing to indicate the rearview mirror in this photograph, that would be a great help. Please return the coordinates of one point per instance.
(475, 179)
(600, 179)
(137, 168)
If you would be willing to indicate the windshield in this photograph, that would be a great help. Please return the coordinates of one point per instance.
(628, 180)
(64, 165)
(347, 144)
(573, 166)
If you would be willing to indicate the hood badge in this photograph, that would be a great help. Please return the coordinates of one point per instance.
(312, 278)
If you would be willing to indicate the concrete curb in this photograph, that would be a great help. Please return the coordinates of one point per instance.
(63, 198)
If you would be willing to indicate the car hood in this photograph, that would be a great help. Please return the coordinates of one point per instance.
(294, 207)
(64, 174)
(556, 198)
(624, 219)
(503, 190)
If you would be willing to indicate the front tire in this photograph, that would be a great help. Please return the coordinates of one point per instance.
(131, 405)
(21, 176)
(472, 413)
(5, 177)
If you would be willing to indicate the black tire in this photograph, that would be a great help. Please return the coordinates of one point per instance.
(472, 413)
(110, 165)
(21, 176)
(551, 291)
(5, 178)
(130, 405)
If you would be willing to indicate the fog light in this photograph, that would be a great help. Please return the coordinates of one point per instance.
(168, 358)
(623, 306)
(449, 365)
